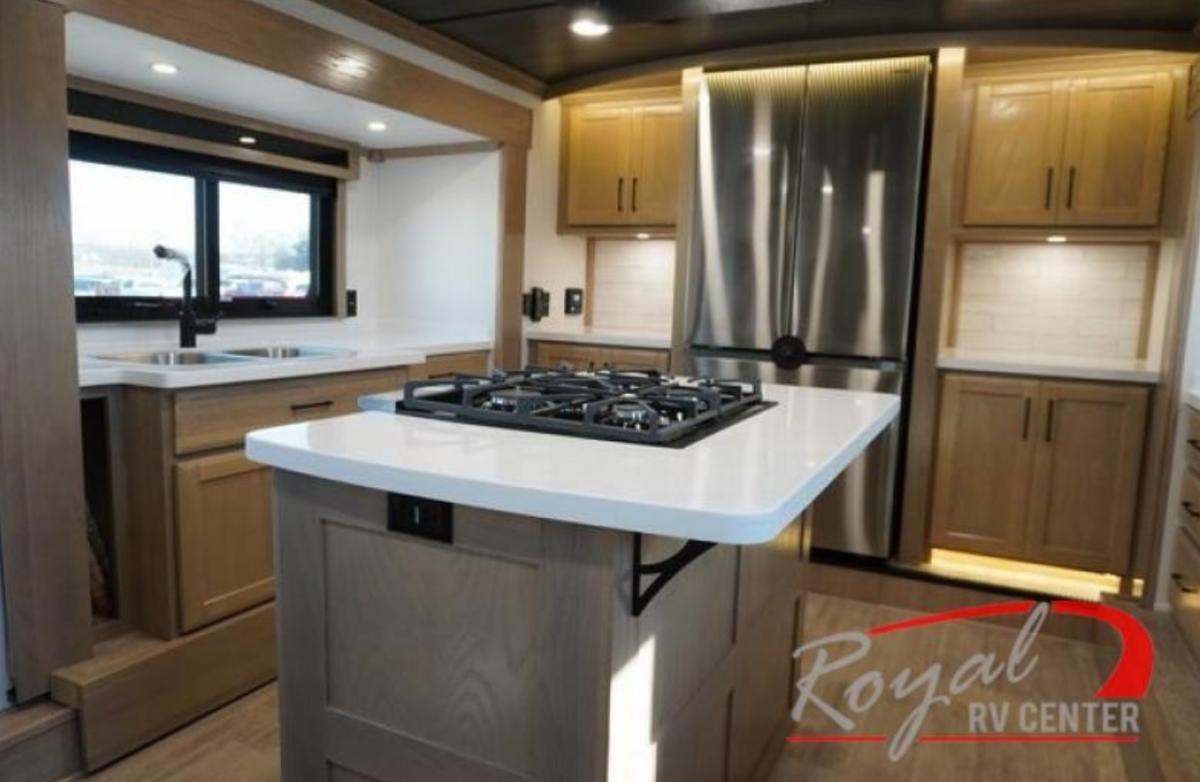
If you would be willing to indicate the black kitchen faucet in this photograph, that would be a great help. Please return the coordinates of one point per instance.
(189, 324)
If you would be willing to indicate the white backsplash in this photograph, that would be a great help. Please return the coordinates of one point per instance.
(633, 285)
(1082, 300)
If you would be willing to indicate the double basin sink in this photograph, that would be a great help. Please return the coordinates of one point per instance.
(188, 358)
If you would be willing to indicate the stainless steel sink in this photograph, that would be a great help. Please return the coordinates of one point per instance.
(173, 358)
(279, 352)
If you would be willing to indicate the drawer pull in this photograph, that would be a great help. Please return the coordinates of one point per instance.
(1192, 441)
(1190, 509)
(307, 406)
(1186, 589)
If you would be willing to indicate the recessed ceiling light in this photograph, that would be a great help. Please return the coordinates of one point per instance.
(351, 66)
(643, 237)
(165, 68)
(247, 140)
(1056, 239)
(376, 126)
(590, 27)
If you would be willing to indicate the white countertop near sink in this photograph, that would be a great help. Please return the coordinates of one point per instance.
(595, 336)
(1192, 398)
(370, 352)
(742, 484)
(1039, 365)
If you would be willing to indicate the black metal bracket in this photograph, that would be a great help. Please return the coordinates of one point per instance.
(663, 571)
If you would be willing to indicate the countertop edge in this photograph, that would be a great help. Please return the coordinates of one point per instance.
(752, 526)
(1017, 366)
(617, 339)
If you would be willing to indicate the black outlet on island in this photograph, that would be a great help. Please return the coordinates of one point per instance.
(424, 518)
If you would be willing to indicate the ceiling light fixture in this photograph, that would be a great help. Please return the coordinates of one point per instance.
(375, 126)
(164, 68)
(1056, 239)
(590, 27)
(247, 140)
(350, 66)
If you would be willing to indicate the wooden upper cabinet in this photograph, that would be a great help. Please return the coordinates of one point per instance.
(1115, 150)
(598, 172)
(1086, 475)
(224, 539)
(1077, 151)
(984, 464)
(621, 162)
(1016, 144)
(654, 198)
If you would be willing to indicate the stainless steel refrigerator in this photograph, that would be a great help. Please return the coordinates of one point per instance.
(802, 248)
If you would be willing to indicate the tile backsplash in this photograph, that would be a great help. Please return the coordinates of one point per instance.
(633, 285)
(1083, 300)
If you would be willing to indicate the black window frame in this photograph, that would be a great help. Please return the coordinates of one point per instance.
(209, 171)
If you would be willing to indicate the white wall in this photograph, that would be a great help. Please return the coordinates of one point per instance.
(552, 261)
(438, 241)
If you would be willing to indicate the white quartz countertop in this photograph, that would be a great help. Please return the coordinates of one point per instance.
(1192, 397)
(594, 336)
(1038, 365)
(372, 352)
(741, 485)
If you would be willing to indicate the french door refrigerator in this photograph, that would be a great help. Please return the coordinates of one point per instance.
(801, 254)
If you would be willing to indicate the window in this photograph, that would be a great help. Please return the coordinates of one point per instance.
(260, 239)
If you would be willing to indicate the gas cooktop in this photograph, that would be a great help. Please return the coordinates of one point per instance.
(634, 407)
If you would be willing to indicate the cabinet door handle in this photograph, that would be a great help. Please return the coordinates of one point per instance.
(1049, 185)
(1050, 421)
(1070, 186)
(306, 406)
(1185, 588)
(1025, 426)
(1192, 441)
(620, 194)
(633, 196)
(1190, 509)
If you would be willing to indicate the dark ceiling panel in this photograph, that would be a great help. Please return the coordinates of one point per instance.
(533, 36)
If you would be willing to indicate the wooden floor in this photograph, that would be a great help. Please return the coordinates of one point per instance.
(241, 741)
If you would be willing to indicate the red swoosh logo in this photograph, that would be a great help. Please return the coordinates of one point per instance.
(1130, 678)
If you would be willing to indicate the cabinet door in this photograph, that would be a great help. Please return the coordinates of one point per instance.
(984, 464)
(223, 537)
(1089, 455)
(632, 358)
(1013, 158)
(1116, 146)
(598, 164)
(579, 358)
(654, 191)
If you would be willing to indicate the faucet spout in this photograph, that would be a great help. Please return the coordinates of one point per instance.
(189, 324)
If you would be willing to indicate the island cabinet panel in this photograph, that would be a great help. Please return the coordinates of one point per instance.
(511, 652)
(1039, 470)
(1015, 148)
(986, 445)
(223, 520)
(1086, 475)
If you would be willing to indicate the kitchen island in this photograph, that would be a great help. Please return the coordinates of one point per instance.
(462, 602)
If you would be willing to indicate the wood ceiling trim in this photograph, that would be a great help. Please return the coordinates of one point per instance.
(764, 55)
(254, 34)
(427, 38)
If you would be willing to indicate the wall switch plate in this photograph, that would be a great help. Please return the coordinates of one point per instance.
(573, 301)
(351, 303)
(424, 518)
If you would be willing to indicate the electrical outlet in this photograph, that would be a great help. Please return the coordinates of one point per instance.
(351, 303)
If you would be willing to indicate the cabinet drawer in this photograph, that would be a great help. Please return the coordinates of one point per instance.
(207, 418)
(631, 358)
(474, 363)
(1191, 448)
(1185, 589)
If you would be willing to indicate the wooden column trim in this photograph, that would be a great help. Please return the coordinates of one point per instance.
(251, 33)
(435, 150)
(42, 516)
(510, 279)
(939, 246)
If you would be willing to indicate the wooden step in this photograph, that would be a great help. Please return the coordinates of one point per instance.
(38, 743)
(137, 688)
